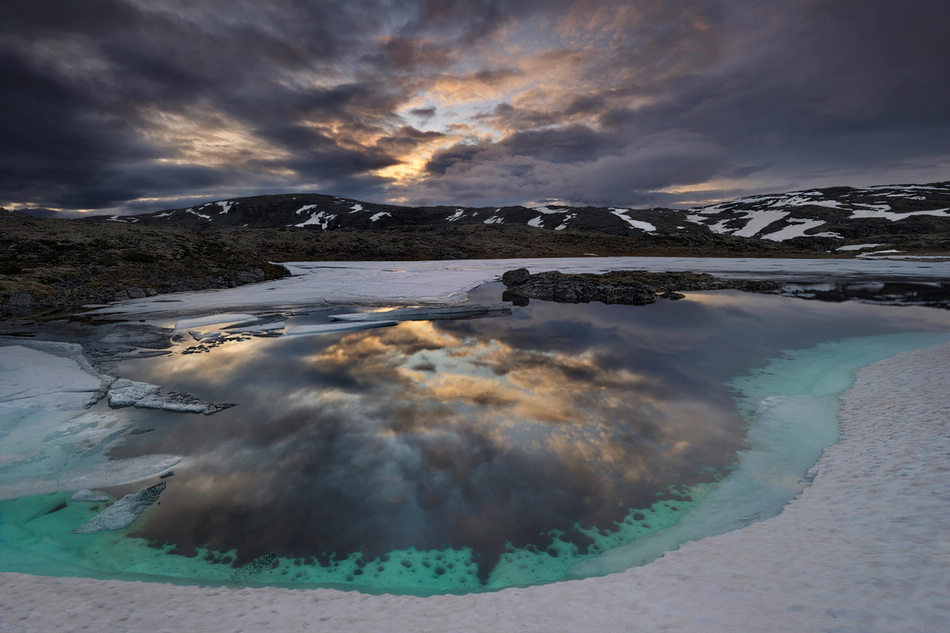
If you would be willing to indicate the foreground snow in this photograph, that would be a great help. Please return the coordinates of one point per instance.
(864, 548)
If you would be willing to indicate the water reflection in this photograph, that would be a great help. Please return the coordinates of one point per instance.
(481, 434)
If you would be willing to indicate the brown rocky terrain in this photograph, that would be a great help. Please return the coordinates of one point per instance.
(52, 265)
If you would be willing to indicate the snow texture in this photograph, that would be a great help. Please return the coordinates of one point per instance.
(883, 211)
(797, 228)
(321, 219)
(863, 549)
(537, 222)
(636, 224)
(494, 218)
(564, 223)
(379, 216)
(200, 215)
(857, 247)
(758, 220)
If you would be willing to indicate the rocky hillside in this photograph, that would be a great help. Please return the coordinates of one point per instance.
(50, 265)
(913, 218)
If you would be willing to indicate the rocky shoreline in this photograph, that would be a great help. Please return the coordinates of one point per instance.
(51, 266)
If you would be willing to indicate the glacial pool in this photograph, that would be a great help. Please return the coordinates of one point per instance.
(451, 456)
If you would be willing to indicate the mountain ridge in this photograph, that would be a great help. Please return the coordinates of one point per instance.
(912, 216)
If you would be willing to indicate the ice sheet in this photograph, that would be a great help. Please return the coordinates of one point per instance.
(50, 441)
(448, 282)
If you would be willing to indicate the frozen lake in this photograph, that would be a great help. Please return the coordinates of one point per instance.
(462, 455)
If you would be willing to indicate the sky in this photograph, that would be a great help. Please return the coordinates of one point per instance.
(128, 106)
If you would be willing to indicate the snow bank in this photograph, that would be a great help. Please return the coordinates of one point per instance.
(862, 549)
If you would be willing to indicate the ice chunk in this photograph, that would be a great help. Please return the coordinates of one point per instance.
(331, 328)
(269, 326)
(213, 319)
(123, 512)
(128, 393)
(424, 314)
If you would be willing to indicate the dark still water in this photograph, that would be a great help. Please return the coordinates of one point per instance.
(456, 455)
(463, 444)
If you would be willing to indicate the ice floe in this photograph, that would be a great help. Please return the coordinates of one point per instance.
(129, 393)
(427, 313)
(123, 512)
(333, 328)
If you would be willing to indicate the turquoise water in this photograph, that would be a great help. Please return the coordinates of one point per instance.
(754, 418)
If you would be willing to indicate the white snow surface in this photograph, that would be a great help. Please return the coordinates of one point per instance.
(857, 247)
(494, 218)
(883, 211)
(758, 220)
(563, 224)
(377, 216)
(637, 224)
(448, 282)
(321, 218)
(536, 222)
(225, 206)
(797, 227)
(356, 208)
(863, 549)
(200, 215)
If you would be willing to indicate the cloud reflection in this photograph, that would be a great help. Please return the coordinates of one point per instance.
(429, 435)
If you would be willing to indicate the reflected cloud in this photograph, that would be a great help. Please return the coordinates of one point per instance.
(429, 435)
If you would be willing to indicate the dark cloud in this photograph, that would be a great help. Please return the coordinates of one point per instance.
(108, 102)
(423, 113)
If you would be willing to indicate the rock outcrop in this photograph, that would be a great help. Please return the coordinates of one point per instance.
(624, 287)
